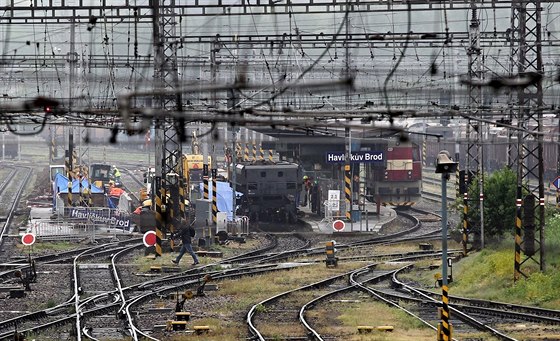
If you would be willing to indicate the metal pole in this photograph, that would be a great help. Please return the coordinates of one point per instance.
(444, 226)
(445, 328)
(481, 193)
(233, 172)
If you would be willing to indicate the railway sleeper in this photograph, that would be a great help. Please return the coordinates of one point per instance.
(369, 329)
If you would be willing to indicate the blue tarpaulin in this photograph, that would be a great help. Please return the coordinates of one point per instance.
(224, 198)
(60, 185)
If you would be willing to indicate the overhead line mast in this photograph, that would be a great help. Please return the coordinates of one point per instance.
(473, 126)
(526, 54)
(169, 189)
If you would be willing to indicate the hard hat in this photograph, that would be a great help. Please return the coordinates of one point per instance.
(147, 202)
(305, 177)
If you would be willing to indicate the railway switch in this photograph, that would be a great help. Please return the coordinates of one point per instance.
(200, 289)
(27, 276)
(187, 295)
(330, 250)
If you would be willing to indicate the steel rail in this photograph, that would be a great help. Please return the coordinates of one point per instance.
(120, 287)
(5, 224)
(316, 335)
(463, 316)
(250, 315)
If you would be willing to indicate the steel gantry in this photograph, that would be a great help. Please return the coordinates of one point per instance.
(526, 57)
(169, 186)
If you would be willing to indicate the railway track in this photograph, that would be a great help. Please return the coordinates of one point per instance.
(89, 278)
(123, 304)
(11, 190)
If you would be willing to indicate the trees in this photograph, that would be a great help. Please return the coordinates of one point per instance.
(499, 204)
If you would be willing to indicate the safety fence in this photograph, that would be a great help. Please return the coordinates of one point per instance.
(239, 225)
(74, 223)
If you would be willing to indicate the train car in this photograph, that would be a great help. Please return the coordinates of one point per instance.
(193, 167)
(396, 181)
(100, 174)
(56, 169)
(270, 190)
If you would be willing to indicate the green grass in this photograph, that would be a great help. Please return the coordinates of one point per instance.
(372, 313)
(49, 246)
(489, 274)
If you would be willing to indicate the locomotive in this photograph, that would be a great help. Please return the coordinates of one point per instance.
(270, 190)
(398, 180)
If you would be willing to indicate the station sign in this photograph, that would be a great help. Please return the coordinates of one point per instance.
(355, 157)
(99, 216)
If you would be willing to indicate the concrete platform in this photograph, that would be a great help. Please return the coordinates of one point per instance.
(370, 223)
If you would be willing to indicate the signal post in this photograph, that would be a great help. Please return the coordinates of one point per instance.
(444, 166)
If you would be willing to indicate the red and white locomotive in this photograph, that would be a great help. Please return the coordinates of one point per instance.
(398, 180)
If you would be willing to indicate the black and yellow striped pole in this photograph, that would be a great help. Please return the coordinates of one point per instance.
(171, 206)
(254, 151)
(69, 174)
(69, 168)
(214, 197)
(182, 205)
(246, 155)
(238, 151)
(270, 155)
(457, 184)
(205, 181)
(445, 325)
(90, 197)
(457, 172)
(75, 160)
(445, 330)
(518, 224)
(261, 152)
(347, 192)
(80, 187)
(159, 209)
(424, 153)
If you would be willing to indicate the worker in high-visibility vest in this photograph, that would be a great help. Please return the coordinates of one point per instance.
(116, 174)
